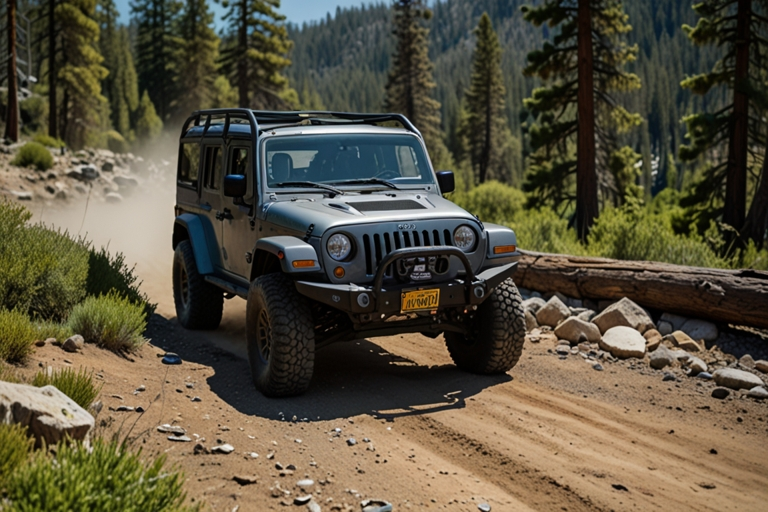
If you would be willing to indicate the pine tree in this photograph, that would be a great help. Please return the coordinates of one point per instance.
(148, 123)
(12, 116)
(582, 65)
(126, 87)
(486, 120)
(738, 27)
(255, 54)
(197, 65)
(410, 86)
(157, 50)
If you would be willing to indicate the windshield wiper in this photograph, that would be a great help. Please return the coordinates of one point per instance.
(365, 181)
(310, 184)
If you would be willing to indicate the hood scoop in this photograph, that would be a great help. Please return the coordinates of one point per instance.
(383, 206)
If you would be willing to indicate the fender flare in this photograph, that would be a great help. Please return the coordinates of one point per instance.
(292, 249)
(196, 228)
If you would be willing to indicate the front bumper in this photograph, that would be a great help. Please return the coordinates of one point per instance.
(378, 299)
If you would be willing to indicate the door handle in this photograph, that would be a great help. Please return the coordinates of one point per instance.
(224, 215)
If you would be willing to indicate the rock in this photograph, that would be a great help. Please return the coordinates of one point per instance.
(172, 429)
(624, 313)
(306, 483)
(668, 377)
(623, 342)
(302, 500)
(199, 448)
(484, 507)
(123, 182)
(683, 341)
(534, 304)
(223, 448)
(675, 322)
(375, 506)
(50, 189)
(586, 315)
(563, 350)
(705, 376)
(758, 392)
(700, 330)
(124, 408)
(530, 321)
(661, 358)
(22, 195)
(49, 414)
(695, 365)
(245, 480)
(736, 379)
(720, 393)
(351, 441)
(747, 361)
(652, 339)
(182, 439)
(113, 198)
(761, 365)
(577, 331)
(171, 358)
(553, 312)
(89, 173)
(598, 367)
(196, 399)
(665, 327)
(312, 506)
(73, 343)
(108, 166)
(40, 343)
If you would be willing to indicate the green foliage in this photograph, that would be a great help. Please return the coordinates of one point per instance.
(492, 202)
(223, 96)
(108, 477)
(47, 140)
(34, 114)
(110, 321)
(8, 374)
(49, 329)
(17, 336)
(116, 142)
(149, 124)
(77, 385)
(107, 273)
(33, 154)
(545, 231)
(15, 447)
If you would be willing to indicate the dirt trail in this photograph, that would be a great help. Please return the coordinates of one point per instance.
(553, 434)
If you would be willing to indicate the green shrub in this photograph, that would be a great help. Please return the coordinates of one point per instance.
(110, 321)
(17, 335)
(545, 231)
(47, 140)
(7, 374)
(107, 273)
(49, 329)
(15, 446)
(492, 202)
(116, 142)
(107, 478)
(33, 154)
(77, 385)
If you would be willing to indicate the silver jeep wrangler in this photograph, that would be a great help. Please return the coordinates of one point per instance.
(333, 227)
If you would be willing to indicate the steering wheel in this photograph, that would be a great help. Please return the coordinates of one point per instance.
(385, 174)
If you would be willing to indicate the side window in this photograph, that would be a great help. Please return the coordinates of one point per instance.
(238, 161)
(190, 164)
(212, 179)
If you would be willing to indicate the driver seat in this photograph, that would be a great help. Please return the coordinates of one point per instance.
(282, 167)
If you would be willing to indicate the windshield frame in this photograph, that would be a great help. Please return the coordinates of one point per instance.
(430, 187)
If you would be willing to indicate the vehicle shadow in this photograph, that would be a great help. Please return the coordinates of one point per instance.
(353, 378)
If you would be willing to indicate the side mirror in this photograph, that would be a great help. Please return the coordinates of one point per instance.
(235, 185)
(446, 181)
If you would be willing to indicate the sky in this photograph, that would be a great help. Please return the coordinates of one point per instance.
(296, 11)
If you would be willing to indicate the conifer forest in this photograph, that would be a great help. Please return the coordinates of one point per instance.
(590, 126)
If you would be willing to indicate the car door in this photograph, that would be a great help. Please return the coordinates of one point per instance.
(238, 228)
(211, 194)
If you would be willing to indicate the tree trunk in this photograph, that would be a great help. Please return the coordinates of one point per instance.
(757, 219)
(730, 296)
(12, 116)
(736, 180)
(586, 177)
(242, 60)
(53, 127)
(485, 156)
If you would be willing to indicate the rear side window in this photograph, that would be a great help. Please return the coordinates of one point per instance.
(212, 167)
(238, 161)
(190, 164)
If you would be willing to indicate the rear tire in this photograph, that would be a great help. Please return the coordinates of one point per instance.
(498, 334)
(199, 304)
(281, 337)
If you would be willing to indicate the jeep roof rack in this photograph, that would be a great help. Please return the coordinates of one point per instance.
(256, 117)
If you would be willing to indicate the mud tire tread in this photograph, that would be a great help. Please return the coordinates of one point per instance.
(206, 302)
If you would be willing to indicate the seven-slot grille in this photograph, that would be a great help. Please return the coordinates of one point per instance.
(377, 246)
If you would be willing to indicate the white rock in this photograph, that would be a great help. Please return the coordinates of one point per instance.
(758, 392)
(49, 414)
(736, 379)
(700, 330)
(223, 448)
(624, 313)
(695, 364)
(576, 330)
(113, 198)
(533, 304)
(682, 340)
(553, 312)
(623, 342)
(587, 315)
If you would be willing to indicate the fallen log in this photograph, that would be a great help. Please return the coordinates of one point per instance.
(730, 296)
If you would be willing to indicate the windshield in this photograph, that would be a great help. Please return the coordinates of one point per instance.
(347, 159)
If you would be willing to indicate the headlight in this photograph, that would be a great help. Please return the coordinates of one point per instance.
(339, 246)
(464, 238)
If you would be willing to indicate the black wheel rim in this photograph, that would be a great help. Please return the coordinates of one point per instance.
(264, 336)
(183, 285)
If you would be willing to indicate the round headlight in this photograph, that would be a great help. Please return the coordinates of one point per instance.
(339, 246)
(464, 238)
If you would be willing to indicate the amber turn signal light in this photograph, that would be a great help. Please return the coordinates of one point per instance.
(303, 263)
(504, 249)
(338, 272)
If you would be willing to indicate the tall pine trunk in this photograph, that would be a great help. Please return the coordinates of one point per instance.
(12, 117)
(485, 157)
(736, 181)
(586, 177)
(242, 50)
(53, 127)
(757, 219)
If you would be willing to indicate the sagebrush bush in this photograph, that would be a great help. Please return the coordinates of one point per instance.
(108, 477)
(17, 336)
(110, 321)
(47, 140)
(33, 154)
(492, 202)
(15, 447)
(77, 385)
(116, 142)
(108, 273)
(545, 231)
(8, 374)
(49, 329)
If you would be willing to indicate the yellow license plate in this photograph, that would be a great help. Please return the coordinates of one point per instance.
(419, 300)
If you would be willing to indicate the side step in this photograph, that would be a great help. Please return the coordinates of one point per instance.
(227, 286)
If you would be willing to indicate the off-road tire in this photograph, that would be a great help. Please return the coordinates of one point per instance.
(498, 334)
(199, 304)
(281, 336)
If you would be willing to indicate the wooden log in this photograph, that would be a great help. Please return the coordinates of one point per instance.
(731, 296)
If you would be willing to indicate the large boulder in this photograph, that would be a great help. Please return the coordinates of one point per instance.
(553, 312)
(736, 379)
(576, 330)
(49, 414)
(530, 321)
(623, 342)
(624, 313)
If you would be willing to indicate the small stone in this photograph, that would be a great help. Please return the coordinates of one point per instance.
(700, 330)
(530, 321)
(351, 441)
(290, 467)
(171, 429)
(705, 375)
(113, 198)
(73, 343)
(761, 365)
(124, 408)
(623, 313)
(668, 377)
(139, 409)
(598, 367)
(661, 358)
(40, 343)
(199, 448)
(305, 483)
(587, 315)
(623, 342)
(665, 328)
(189, 385)
(720, 393)
(302, 500)
(675, 322)
(683, 341)
(375, 506)
(197, 399)
(736, 379)
(758, 392)
(534, 304)
(223, 448)
(695, 365)
(747, 361)
(577, 331)
(484, 507)
(312, 506)
(139, 389)
(553, 312)
(171, 358)
(245, 479)
(182, 439)
(652, 339)
(563, 350)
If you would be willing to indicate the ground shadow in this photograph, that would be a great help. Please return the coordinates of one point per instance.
(353, 378)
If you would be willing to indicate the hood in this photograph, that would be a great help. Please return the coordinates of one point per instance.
(325, 213)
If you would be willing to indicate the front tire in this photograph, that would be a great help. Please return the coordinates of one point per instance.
(498, 334)
(199, 304)
(281, 337)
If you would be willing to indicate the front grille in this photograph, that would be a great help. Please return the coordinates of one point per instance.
(378, 246)
(384, 206)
